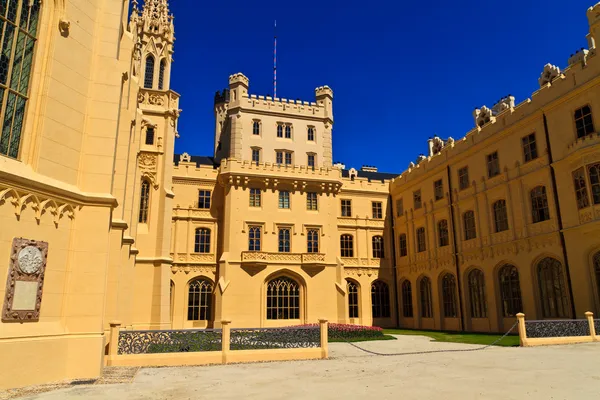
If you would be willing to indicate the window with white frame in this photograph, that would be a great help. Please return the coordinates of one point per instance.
(284, 199)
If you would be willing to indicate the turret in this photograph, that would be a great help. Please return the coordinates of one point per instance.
(593, 14)
(238, 86)
(324, 96)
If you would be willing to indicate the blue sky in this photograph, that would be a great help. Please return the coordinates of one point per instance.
(401, 71)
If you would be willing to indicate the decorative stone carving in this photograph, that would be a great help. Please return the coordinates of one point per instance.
(23, 297)
(482, 116)
(580, 56)
(156, 100)
(549, 73)
(39, 204)
(64, 26)
(147, 163)
(504, 104)
(185, 157)
(435, 145)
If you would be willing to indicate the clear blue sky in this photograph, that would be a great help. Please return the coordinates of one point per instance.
(401, 71)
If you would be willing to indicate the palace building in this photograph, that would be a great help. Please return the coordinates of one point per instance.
(102, 221)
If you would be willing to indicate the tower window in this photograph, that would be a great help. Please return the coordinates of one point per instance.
(149, 72)
(256, 128)
(310, 134)
(150, 135)
(161, 74)
(144, 202)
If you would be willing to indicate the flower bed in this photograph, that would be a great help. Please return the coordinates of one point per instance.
(344, 332)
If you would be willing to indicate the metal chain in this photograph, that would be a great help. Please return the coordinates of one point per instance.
(435, 351)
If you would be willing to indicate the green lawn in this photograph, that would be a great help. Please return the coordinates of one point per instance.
(456, 337)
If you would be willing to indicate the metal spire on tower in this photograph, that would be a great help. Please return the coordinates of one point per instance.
(275, 61)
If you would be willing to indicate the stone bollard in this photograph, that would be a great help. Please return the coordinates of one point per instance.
(522, 330)
(323, 325)
(590, 317)
(113, 345)
(225, 339)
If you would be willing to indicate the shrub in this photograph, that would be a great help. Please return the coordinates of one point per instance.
(350, 332)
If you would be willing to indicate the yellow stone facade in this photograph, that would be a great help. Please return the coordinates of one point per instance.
(268, 231)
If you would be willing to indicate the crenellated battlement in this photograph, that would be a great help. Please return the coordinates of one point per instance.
(238, 78)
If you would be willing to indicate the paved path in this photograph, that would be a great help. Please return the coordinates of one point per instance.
(559, 372)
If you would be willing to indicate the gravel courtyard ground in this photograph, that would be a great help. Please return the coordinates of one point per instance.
(559, 372)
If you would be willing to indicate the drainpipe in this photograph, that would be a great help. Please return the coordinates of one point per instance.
(455, 251)
(559, 217)
(394, 263)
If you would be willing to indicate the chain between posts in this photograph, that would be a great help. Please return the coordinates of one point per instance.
(436, 351)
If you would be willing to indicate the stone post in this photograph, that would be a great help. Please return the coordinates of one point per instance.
(522, 330)
(323, 325)
(113, 345)
(225, 339)
(590, 317)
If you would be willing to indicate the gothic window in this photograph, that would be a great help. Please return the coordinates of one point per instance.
(493, 164)
(407, 306)
(311, 134)
(284, 199)
(421, 246)
(200, 300)
(469, 225)
(279, 157)
(500, 216)
(553, 293)
(311, 201)
(449, 296)
(149, 72)
(426, 305)
(256, 128)
(463, 178)
(594, 171)
(312, 241)
(150, 135)
(202, 243)
(380, 299)
(19, 21)
(377, 209)
(161, 74)
(288, 131)
(284, 240)
(477, 294)
(347, 246)
(279, 130)
(352, 289)
(581, 194)
(529, 147)
(443, 233)
(510, 291)
(403, 246)
(204, 199)
(254, 236)
(539, 205)
(255, 195)
(283, 299)
(583, 121)
(377, 243)
(144, 202)
(346, 208)
(288, 158)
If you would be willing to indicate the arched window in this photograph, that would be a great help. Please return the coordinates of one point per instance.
(200, 300)
(510, 291)
(377, 243)
(202, 243)
(149, 72)
(288, 131)
(144, 202)
(283, 299)
(500, 216)
(161, 74)
(407, 306)
(539, 205)
(553, 293)
(20, 27)
(254, 238)
(477, 294)
(256, 128)
(352, 289)
(279, 130)
(449, 296)
(425, 289)
(347, 246)
(310, 134)
(443, 233)
(284, 240)
(469, 225)
(380, 299)
(421, 241)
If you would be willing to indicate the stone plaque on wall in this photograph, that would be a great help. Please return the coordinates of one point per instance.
(23, 297)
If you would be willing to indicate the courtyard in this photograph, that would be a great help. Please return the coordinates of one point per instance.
(557, 372)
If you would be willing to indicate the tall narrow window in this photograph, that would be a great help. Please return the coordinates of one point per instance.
(463, 178)
(312, 241)
(144, 201)
(529, 147)
(352, 289)
(256, 128)
(500, 216)
(377, 243)
(399, 208)
(377, 209)
(311, 161)
(284, 199)
(204, 199)
(255, 197)
(402, 245)
(407, 305)
(417, 199)
(510, 291)
(254, 238)
(279, 157)
(200, 300)
(438, 189)
(553, 293)
(421, 241)
(426, 304)
(539, 205)
(469, 225)
(310, 134)
(449, 296)
(493, 164)
(288, 131)
(202, 242)
(283, 299)
(150, 135)
(594, 171)
(256, 156)
(346, 208)
(161, 74)
(584, 123)
(19, 20)
(311, 201)
(288, 158)
(443, 233)
(477, 294)
(581, 194)
(284, 240)
(347, 246)
(596, 261)
(149, 72)
(380, 299)
(279, 130)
